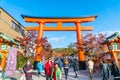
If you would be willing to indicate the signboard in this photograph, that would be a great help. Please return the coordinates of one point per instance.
(11, 62)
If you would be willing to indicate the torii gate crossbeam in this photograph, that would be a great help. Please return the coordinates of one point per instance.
(59, 20)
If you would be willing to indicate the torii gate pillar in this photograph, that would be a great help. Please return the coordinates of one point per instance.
(59, 20)
(81, 56)
(39, 47)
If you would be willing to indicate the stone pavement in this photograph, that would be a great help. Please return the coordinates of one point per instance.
(82, 75)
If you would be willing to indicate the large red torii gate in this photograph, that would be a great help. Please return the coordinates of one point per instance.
(59, 20)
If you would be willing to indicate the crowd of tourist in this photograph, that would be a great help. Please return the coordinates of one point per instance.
(53, 68)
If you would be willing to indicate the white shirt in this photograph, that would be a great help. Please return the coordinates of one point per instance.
(90, 64)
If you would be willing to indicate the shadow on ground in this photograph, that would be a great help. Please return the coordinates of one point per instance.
(36, 74)
(12, 78)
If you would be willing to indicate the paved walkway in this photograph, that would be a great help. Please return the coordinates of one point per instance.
(82, 75)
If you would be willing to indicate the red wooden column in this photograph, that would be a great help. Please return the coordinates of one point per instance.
(114, 54)
(79, 41)
(81, 57)
(3, 61)
(39, 46)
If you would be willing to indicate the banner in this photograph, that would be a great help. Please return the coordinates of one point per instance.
(11, 62)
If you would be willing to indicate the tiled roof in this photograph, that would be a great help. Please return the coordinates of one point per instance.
(55, 17)
(112, 37)
(8, 38)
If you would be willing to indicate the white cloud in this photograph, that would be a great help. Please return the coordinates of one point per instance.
(56, 39)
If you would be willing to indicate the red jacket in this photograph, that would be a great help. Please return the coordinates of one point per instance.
(48, 66)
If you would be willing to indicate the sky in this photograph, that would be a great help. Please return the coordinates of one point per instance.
(107, 12)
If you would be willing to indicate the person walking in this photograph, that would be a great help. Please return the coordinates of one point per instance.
(49, 69)
(105, 70)
(39, 68)
(27, 70)
(90, 67)
(66, 67)
(115, 71)
(100, 66)
(75, 66)
(57, 73)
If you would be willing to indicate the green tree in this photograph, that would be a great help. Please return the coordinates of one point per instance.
(72, 49)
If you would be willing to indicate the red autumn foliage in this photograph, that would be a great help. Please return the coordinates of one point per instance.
(30, 40)
(91, 43)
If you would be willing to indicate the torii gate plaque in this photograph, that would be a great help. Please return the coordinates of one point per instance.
(59, 20)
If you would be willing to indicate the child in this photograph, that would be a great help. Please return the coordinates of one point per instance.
(57, 72)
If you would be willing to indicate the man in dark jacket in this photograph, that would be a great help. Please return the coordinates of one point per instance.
(105, 70)
(75, 66)
(115, 71)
